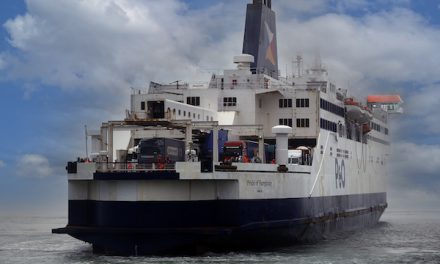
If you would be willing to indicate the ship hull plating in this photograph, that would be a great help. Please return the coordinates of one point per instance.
(145, 228)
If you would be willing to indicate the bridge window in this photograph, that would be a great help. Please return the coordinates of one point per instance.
(302, 122)
(195, 101)
(285, 103)
(302, 103)
(328, 125)
(286, 122)
(229, 101)
(376, 127)
(332, 108)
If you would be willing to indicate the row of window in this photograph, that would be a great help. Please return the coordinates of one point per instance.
(328, 125)
(332, 108)
(285, 103)
(376, 127)
(300, 122)
(286, 122)
(379, 128)
(229, 101)
(188, 114)
(300, 103)
(232, 101)
(235, 83)
(195, 101)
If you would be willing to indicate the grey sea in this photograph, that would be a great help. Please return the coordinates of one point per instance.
(400, 237)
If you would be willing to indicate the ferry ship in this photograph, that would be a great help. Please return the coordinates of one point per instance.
(250, 160)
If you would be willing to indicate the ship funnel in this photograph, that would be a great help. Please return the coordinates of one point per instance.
(244, 61)
(282, 138)
(260, 37)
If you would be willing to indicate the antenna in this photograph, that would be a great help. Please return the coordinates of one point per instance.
(298, 62)
(177, 83)
(318, 61)
(87, 142)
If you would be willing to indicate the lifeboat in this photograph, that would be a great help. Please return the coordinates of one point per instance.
(356, 112)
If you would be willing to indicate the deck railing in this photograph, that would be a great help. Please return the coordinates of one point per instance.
(133, 167)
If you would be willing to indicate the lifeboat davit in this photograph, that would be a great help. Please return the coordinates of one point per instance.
(356, 112)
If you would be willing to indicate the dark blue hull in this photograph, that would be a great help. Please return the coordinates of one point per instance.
(144, 228)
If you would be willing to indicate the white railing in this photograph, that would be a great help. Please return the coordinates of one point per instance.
(133, 167)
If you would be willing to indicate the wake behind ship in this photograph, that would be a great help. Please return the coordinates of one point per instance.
(250, 160)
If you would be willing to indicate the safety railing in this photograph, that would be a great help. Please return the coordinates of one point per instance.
(134, 167)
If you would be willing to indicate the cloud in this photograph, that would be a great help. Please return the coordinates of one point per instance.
(285, 7)
(2, 62)
(34, 166)
(2, 164)
(117, 44)
(420, 106)
(365, 5)
(414, 175)
(412, 198)
(378, 49)
(29, 89)
(416, 162)
(25, 30)
(106, 45)
(308, 8)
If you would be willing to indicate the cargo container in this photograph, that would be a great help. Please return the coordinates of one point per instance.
(167, 150)
(206, 146)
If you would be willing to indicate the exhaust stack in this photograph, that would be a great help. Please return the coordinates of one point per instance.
(260, 37)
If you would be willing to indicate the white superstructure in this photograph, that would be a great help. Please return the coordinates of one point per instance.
(344, 158)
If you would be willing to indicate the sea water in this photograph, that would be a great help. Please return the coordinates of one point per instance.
(400, 237)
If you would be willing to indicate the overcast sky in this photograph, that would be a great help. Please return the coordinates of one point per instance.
(65, 63)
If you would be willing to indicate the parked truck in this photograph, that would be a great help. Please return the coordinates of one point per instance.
(167, 150)
(206, 149)
(246, 151)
